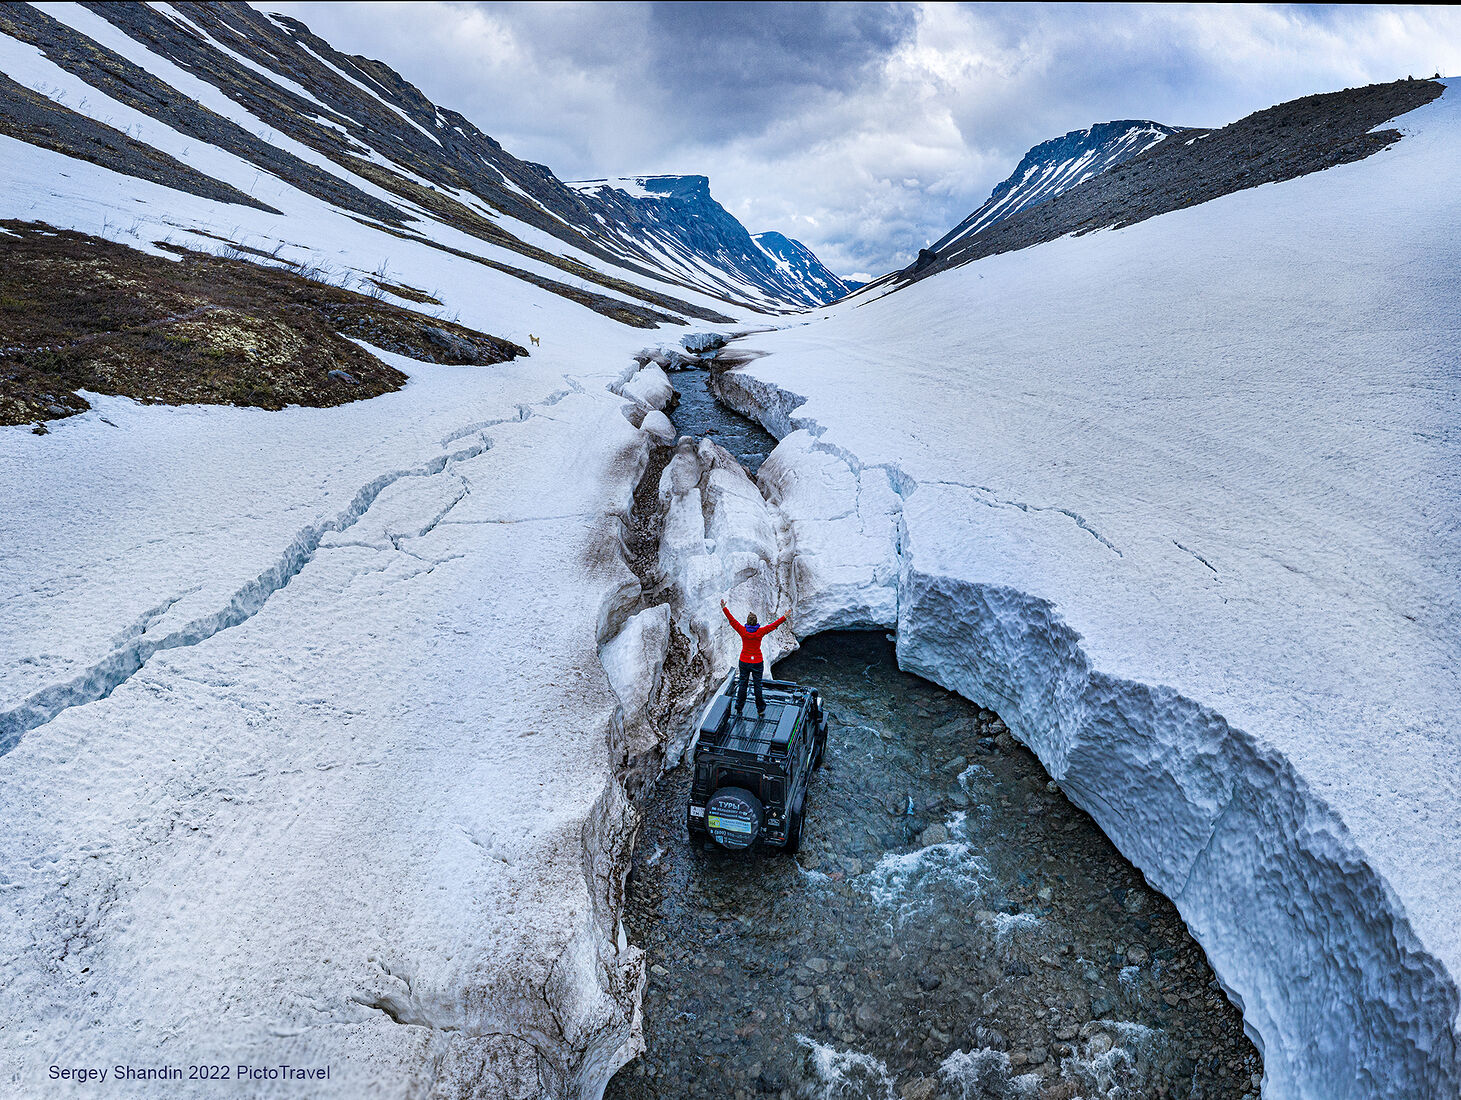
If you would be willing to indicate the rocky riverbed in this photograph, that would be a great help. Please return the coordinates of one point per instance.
(952, 928)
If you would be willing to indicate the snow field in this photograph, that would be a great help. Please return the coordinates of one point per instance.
(373, 823)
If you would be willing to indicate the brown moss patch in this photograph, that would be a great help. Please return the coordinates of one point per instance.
(78, 312)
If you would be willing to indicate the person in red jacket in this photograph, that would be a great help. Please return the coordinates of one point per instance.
(752, 664)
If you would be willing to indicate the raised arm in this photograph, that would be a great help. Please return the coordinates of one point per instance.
(774, 625)
(739, 629)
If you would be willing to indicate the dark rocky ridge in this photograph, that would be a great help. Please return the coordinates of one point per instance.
(442, 147)
(1058, 165)
(28, 116)
(810, 271)
(679, 214)
(129, 84)
(1284, 142)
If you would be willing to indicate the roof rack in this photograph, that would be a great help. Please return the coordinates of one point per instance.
(749, 732)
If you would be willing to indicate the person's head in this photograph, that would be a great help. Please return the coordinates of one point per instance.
(751, 619)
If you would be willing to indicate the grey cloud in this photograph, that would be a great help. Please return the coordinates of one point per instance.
(732, 68)
(864, 130)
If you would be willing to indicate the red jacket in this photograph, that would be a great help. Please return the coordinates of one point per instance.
(751, 639)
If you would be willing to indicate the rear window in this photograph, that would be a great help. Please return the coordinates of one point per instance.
(734, 777)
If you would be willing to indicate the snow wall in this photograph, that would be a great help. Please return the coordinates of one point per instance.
(1336, 989)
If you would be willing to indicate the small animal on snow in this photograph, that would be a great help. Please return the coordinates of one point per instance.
(534, 339)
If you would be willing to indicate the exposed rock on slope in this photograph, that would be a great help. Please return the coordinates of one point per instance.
(798, 261)
(80, 313)
(29, 116)
(1056, 166)
(1284, 142)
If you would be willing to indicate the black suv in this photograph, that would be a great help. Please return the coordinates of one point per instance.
(752, 773)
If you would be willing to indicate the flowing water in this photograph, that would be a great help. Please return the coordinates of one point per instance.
(952, 927)
(699, 413)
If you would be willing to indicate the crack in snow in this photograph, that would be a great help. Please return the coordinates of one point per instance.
(133, 649)
(148, 618)
(519, 519)
(997, 501)
(1196, 555)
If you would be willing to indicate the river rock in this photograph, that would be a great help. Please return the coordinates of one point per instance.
(920, 1088)
(1065, 1089)
(934, 834)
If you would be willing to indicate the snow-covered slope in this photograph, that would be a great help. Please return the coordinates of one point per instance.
(321, 773)
(679, 226)
(121, 83)
(1179, 500)
(797, 260)
(1055, 166)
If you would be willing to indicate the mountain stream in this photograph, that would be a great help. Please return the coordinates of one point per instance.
(952, 928)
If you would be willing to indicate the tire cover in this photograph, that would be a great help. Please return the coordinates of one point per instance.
(733, 817)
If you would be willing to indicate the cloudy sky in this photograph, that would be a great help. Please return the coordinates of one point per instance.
(865, 130)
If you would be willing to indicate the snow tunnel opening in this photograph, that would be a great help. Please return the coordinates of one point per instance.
(1195, 801)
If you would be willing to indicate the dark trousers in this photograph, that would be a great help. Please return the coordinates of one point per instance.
(750, 674)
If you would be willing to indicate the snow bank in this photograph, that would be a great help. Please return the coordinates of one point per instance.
(721, 541)
(634, 660)
(649, 386)
(658, 425)
(309, 738)
(669, 358)
(1178, 501)
(843, 534)
(699, 342)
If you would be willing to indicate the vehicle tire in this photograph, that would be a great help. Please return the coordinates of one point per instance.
(793, 832)
(733, 818)
(821, 749)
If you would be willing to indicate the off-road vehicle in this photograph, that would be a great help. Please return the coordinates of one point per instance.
(752, 772)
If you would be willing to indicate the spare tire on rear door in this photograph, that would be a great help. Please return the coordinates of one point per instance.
(733, 817)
